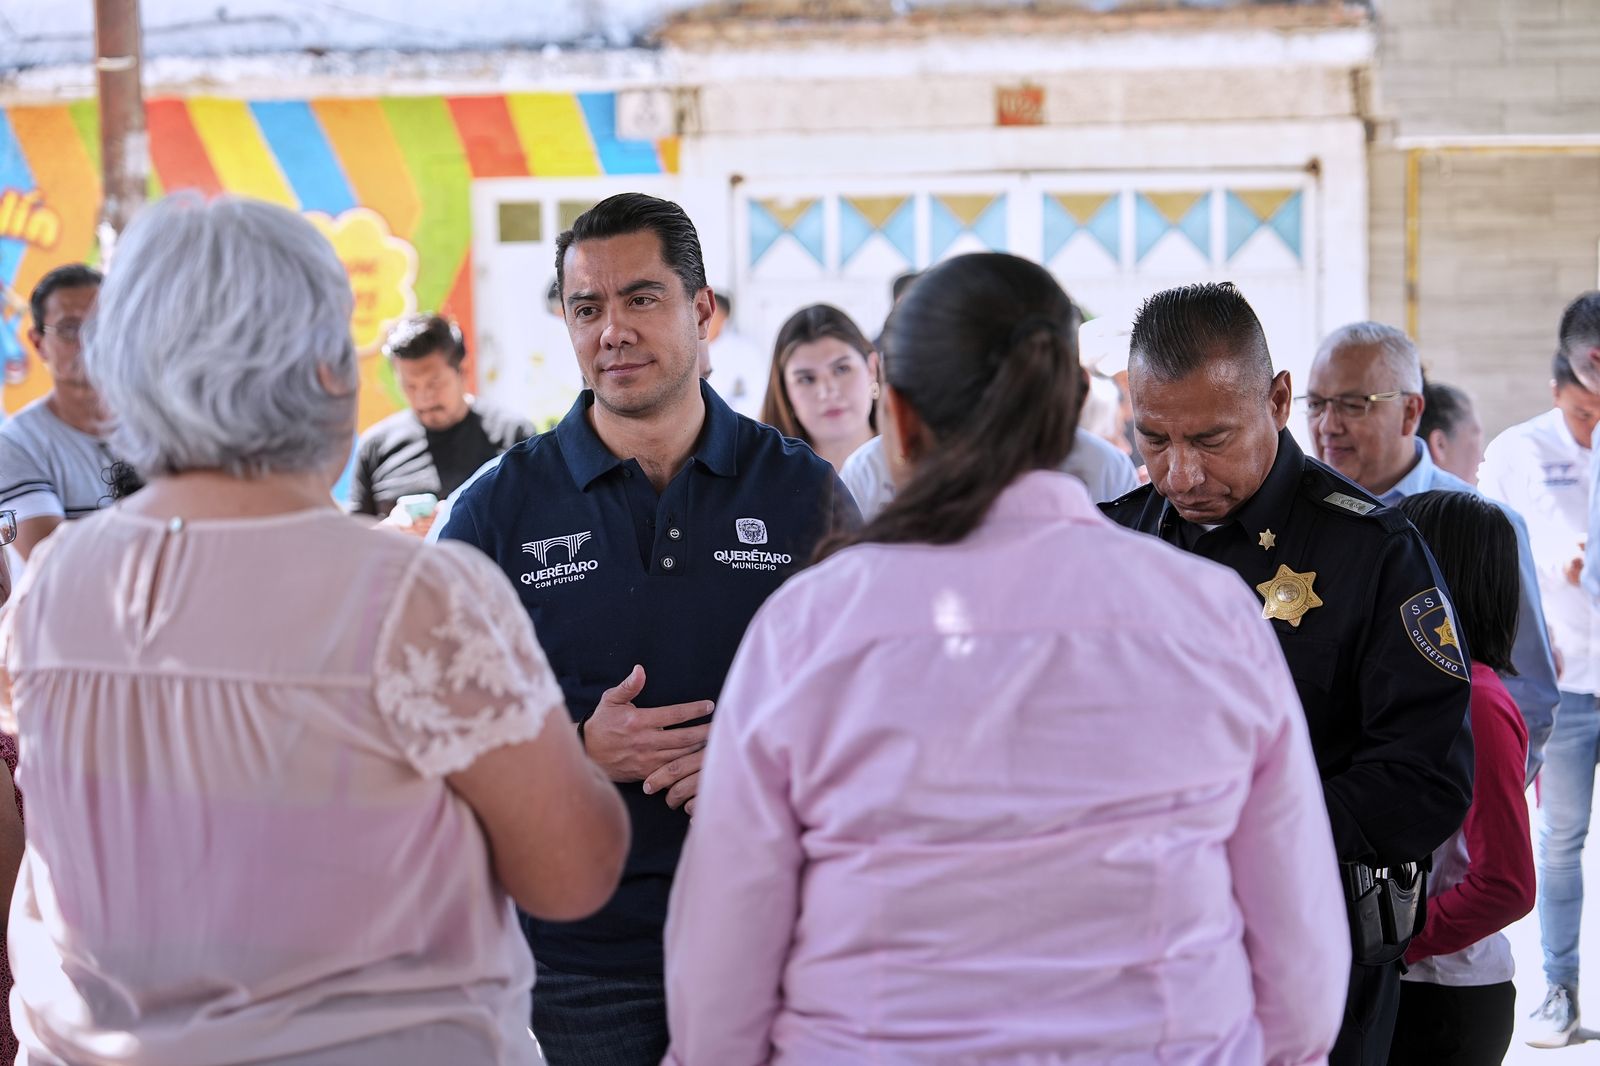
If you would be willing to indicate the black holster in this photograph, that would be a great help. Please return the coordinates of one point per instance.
(1387, 906)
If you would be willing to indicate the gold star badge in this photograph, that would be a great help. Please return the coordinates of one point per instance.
(1268, 539)
(1288, 595)
(1447, 635)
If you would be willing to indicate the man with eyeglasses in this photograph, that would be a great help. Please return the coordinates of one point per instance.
(54, 462)
(1349, 590)
(1363, 402)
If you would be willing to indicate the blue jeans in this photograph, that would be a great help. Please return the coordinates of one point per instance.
(1567, 793)
(587, 1020)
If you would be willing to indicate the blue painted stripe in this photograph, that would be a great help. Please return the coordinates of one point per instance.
(296, 138)
(616, 157)
(15, 175)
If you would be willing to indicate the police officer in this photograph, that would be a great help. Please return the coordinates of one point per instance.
(1347, 584)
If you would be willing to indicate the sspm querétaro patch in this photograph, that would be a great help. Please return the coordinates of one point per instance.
(1431, 625)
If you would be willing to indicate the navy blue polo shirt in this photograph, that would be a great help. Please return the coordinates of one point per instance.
(613, 574)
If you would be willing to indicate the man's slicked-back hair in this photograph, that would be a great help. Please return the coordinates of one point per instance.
(1399, 354)
(68, 276)
(635, 212)
(1178, 331)
(1580, 325)
(421, 335)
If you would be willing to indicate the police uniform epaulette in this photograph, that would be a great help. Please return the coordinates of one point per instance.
(1336, 496)
(1138, 495)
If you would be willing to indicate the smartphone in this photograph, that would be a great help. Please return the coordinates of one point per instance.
(418, 505)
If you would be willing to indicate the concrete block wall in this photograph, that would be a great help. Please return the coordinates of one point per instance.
(1510, 227)
(1483, 67)
(1506, 240)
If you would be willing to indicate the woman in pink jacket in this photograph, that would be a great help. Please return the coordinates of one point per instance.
(998, 782)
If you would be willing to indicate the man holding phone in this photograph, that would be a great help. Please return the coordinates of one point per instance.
(409, 461)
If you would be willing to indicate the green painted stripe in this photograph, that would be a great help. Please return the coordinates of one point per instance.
(432, 150)
(86, 116)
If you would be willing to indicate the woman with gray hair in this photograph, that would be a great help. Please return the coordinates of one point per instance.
(284, 777)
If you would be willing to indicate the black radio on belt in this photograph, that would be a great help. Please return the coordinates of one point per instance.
(1387, 908)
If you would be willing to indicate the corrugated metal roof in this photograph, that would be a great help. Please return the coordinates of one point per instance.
(732, 22)
(36, 33)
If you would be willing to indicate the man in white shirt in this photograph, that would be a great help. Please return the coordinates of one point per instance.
(54, 463)
(1566, 814)
(1540, 467)
(739, 369)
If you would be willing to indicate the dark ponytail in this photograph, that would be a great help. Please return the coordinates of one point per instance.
(985, 349)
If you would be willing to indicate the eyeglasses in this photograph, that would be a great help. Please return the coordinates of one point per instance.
(72, 332)
(8, 527)
(1347, 406)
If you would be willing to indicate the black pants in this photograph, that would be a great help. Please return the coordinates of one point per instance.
(1441, 1025)
(1369, 1012)
(584, 1020)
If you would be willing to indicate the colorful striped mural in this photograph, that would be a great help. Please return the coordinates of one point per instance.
(387, 178)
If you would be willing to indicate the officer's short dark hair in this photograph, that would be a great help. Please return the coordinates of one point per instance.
(1178, 331)
(1561, 372)
(1580, 324)
(634, 212)
(1444, 407)
(1476, 549)
(419, 336)
(69, 276)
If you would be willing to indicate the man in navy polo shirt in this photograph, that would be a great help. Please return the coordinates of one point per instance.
(643, 532)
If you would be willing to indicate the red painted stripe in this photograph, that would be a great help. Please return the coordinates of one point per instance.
(493, 148)
(458, 305)
(176, 149)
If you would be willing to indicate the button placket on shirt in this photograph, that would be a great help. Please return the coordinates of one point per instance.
(670, 541)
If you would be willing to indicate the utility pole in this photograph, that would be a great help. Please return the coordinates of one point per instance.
(124, 146)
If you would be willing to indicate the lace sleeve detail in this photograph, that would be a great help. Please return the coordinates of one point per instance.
(458, 670)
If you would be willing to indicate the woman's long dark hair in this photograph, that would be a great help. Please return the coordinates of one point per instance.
(807, 326)
(985, 349)
(1476, 549)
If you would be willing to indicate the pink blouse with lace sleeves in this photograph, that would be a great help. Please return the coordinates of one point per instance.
(458, 669)
(234, 736)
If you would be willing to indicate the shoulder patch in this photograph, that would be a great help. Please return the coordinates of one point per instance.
(1431, 625)
(1349, 503)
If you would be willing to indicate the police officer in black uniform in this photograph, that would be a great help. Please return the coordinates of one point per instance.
(1349, 587)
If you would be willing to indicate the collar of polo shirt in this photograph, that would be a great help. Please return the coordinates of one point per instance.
(587, 458)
